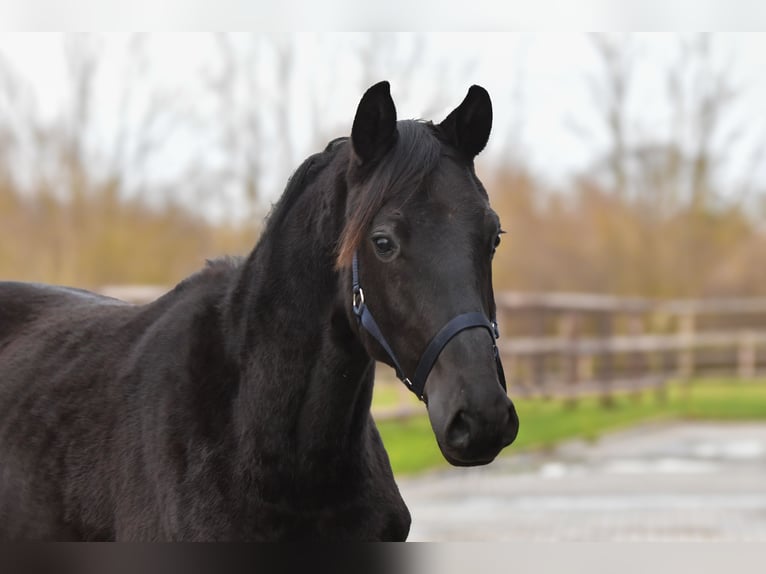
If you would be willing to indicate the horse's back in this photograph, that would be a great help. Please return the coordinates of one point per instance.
(86, 382)
(21, 304)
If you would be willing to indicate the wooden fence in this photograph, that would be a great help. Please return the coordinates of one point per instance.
(568, 345)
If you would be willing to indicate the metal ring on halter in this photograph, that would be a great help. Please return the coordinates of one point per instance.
(358, 300)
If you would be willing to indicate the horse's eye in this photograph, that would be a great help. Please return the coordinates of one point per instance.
(385, 246)
(497, 241)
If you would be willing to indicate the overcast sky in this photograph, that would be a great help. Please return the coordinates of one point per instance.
(545, 112)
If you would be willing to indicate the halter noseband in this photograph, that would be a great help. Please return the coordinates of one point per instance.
(454, 326)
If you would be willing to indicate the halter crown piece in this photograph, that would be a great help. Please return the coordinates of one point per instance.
(417, 382)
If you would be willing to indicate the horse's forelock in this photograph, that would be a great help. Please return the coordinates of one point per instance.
(400, 173)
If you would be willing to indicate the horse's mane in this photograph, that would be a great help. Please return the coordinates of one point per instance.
(213, 269)
(301, 179)
(404, 168)
(412, 158)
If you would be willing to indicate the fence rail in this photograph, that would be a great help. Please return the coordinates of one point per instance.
(575, 344)
(572, 344)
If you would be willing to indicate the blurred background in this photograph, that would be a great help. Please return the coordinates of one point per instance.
(620, 164)
(627, 169)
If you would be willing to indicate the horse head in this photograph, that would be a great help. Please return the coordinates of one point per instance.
(417, 246)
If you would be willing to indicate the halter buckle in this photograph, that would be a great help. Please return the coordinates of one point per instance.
(357, 300)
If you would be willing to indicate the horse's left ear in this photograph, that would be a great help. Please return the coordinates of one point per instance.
(469, 124)
(374, 129)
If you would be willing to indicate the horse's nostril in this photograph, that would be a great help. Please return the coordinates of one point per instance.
(459, 431)
(511, 427)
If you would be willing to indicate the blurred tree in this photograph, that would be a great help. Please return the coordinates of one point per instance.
(238, 95)
(610, 92)
(74, 206)
(81, 203)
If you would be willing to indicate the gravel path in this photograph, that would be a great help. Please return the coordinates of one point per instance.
(679, 482)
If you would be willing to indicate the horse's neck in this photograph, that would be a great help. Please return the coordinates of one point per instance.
(306, 382)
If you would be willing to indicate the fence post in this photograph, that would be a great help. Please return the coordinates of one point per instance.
(569, 327)
(686, 352)
(606, 372)
(746, 356)
(585, 367)
(638, 359)
(538, 359)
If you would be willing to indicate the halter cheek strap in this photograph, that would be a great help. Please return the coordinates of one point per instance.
(454, 326)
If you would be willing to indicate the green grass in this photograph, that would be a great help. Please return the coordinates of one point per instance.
(411, 444)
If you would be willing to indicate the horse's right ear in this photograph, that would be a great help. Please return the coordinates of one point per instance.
(468, 126)
(374, 130)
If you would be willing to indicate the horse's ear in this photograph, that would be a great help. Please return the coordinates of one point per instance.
(374, 129)
(469, 124)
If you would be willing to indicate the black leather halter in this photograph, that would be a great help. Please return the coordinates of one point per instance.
(454, 326)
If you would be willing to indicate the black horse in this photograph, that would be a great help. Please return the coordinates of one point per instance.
(237, 406)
